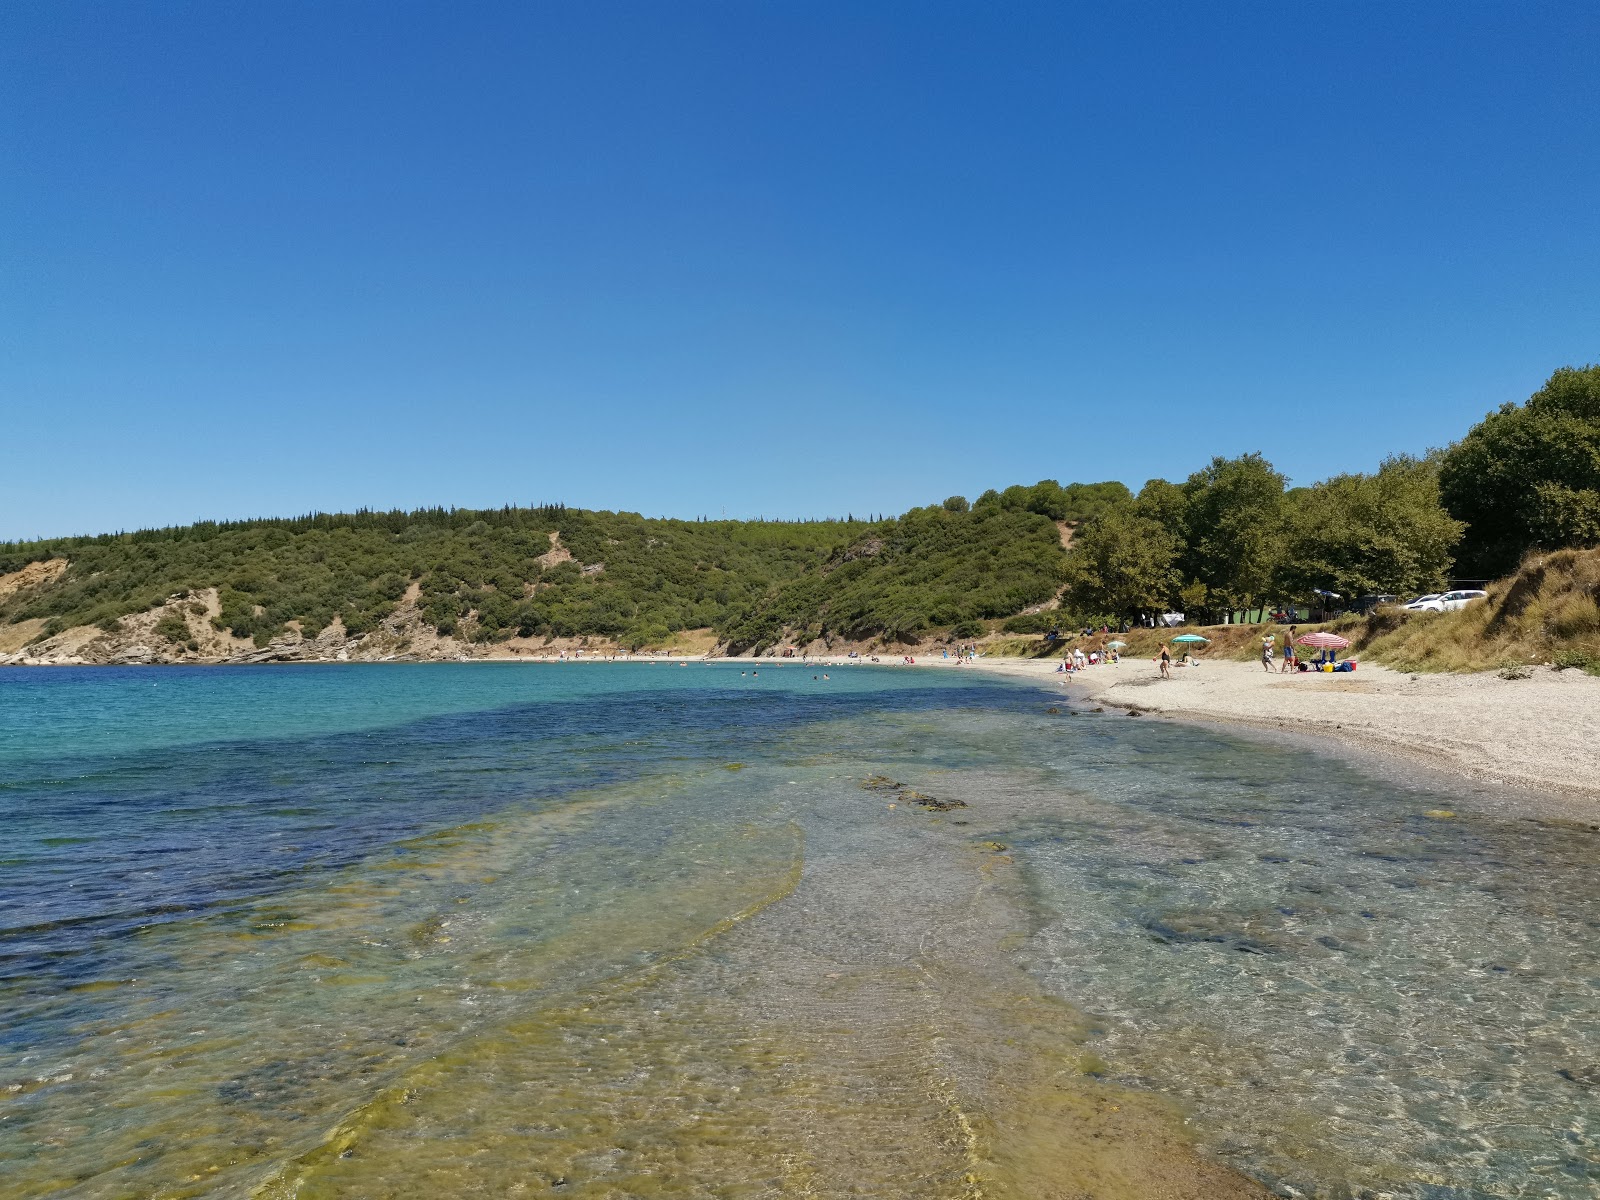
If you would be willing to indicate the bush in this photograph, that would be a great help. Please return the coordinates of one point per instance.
(966, 629)
(1582, 660)
(173, 628)
(1039, 622)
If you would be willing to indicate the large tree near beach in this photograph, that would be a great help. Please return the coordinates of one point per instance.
(1359, 534)
(1528, 476)
(1123, 563)
(1233, 518)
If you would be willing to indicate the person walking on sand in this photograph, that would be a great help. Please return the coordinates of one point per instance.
(1166, 661)
(1266, 653)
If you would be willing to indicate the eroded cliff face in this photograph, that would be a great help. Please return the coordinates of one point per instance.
(35, 574)
(181, 630)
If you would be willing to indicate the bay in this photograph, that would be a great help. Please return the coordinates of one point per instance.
(614, 929)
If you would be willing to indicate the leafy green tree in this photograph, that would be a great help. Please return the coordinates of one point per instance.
(1164, 502)
(1528, 476)
(1074, 502)
(1233, 512)
(1369, 534)
(1123, 562)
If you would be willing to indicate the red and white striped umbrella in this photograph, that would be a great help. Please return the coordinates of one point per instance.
(1324, 641)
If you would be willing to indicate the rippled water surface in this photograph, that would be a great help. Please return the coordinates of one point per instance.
(640, 930)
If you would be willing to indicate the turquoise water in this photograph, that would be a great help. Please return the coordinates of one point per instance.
(637, 929)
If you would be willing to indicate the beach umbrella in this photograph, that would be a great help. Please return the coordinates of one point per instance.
(1324, 641)
(1118, 645)
(1190, 637)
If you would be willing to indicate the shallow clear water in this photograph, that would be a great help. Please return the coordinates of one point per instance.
(628, 929)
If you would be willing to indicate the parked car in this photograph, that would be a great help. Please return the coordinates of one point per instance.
(1420, 604)
(1448, 602)
(1366, 604)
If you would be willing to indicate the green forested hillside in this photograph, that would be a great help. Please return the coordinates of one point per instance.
(1232, 536)
(557, 572)
(933, 567)
(482, 574)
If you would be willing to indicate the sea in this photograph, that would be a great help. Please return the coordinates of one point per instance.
(741, 929)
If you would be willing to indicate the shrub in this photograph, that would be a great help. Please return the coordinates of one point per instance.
(1582, 660)
(1039, 622)
(173, 628)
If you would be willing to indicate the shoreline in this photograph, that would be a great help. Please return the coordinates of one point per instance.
(1537, 736)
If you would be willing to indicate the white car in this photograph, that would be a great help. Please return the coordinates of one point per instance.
(1420, 604)
(1447, 602)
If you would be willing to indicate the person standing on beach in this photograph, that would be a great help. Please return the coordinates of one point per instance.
(1166, 661)
(1288, 651)
(1266, 653)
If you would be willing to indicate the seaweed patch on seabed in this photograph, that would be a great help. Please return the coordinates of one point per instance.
(862, 1031)
(901, 791)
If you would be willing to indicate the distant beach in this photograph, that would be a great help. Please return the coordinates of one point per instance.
(1540, 733)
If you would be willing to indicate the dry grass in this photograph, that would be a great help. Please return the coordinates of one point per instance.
(1548, 612)
(35, 574)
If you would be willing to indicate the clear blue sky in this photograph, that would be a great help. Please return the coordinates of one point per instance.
(783, 259)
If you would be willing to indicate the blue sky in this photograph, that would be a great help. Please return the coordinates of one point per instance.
(774, 259)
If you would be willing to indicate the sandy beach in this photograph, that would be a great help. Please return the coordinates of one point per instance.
(1540, 733)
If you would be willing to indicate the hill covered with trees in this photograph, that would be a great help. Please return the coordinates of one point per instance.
(545, 573)
(482, 575)
(1231, 536)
